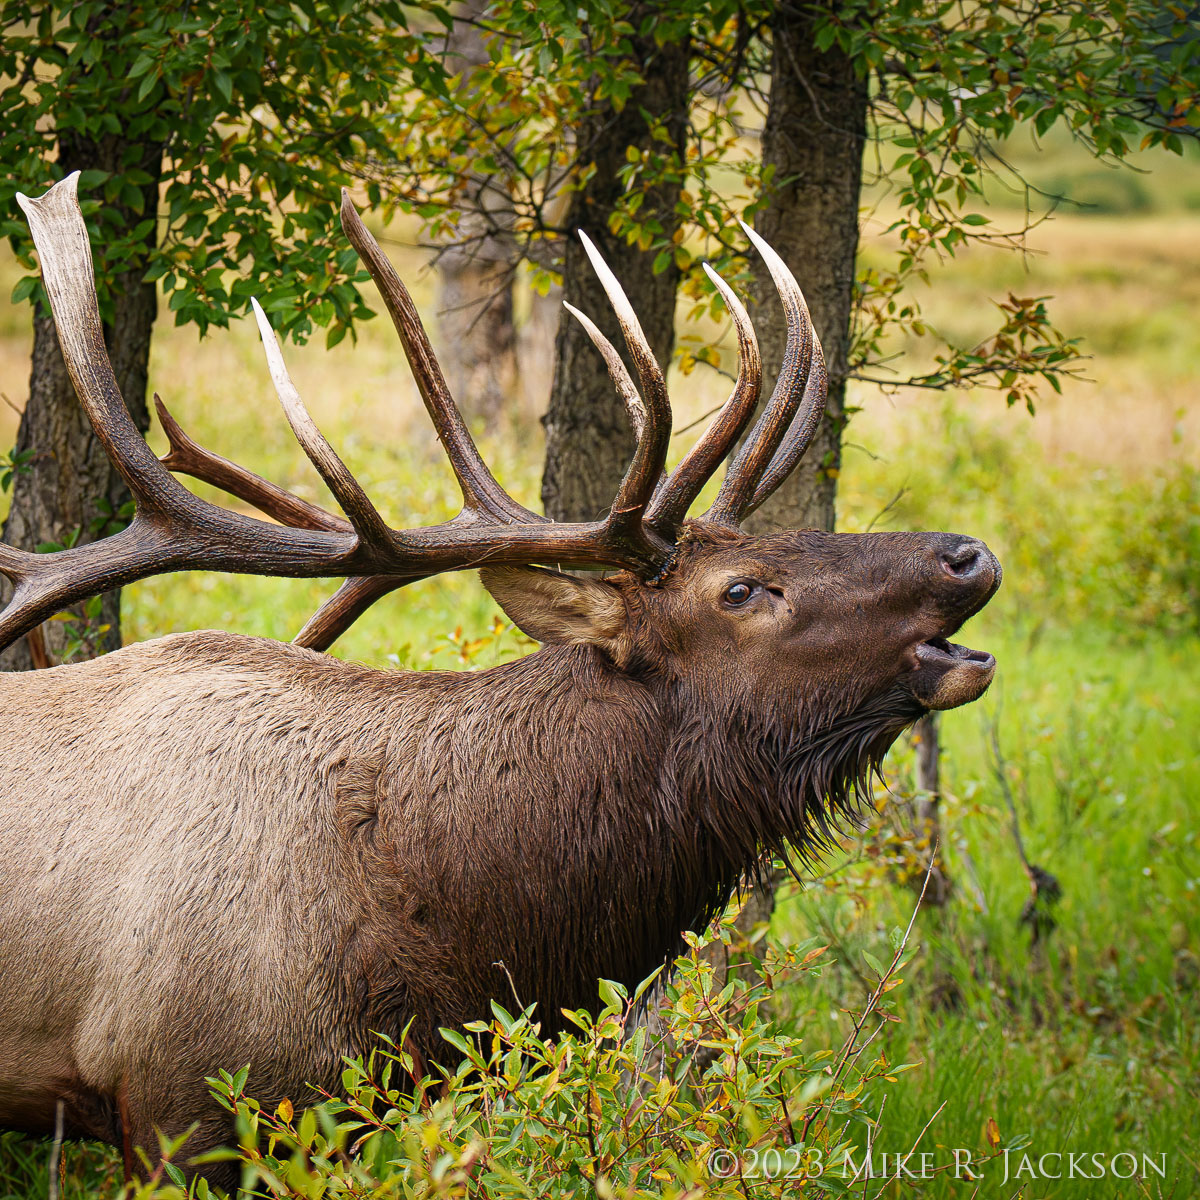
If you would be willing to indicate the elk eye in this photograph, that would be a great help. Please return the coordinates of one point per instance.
(738, 593)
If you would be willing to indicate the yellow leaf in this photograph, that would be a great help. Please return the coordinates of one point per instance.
(285, 1111)
(993, 1132)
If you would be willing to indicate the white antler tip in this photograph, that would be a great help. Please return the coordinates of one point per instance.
(736, 308)
(264, 322)
(758, 242)
(67, 187)
(607, 278)
(589, 325)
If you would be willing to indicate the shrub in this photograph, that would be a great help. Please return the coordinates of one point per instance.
(698, 1093)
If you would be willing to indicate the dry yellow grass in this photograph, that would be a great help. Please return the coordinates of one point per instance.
(1129, 289)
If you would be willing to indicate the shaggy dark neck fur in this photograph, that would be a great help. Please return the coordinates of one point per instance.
(749, 780)
(568, 863)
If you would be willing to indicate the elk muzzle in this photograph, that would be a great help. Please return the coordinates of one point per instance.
(948, 674)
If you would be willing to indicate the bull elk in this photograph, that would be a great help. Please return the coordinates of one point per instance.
(221, 850)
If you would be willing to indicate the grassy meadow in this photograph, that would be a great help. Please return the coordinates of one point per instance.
(1089, 1041)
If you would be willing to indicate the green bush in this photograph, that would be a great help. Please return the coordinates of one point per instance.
(705, 1095)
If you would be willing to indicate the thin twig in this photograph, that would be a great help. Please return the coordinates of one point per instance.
(887, 508)
(1000, 770)
(852, 1039)
(504, 967)
(915, 1144)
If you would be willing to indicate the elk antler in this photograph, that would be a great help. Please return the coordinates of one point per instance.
(774, 446)
(173, 529)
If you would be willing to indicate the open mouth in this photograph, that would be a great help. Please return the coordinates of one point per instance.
(939, 650)
(948, 674)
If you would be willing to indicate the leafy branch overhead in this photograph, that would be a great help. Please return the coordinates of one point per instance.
(248, 116)
(949, 84)
(261, 112)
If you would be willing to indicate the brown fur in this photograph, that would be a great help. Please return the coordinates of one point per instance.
(221, 850)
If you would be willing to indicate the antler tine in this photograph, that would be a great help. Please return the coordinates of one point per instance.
(371, 528)
(345, 606)
(61, 237)
(166, 511)
(481, 493)
(355, 595)
(741, 481)
(800, 435)
(188, 457)
(650, 456)
(681, 489)
(616, 370)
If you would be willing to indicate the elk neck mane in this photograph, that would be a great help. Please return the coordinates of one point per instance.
(642, 825)
(761, 783)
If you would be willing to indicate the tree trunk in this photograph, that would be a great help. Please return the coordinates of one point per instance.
(475, 320)
(813, 139)
(588, 438)
(476, 274)
(927, 745)
(69, 491)
(929, 783)
(535, 350)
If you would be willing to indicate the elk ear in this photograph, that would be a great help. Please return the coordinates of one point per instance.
(559, 610)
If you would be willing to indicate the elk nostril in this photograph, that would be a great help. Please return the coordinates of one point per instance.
(963, 561)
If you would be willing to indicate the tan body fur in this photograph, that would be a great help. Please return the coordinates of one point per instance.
(176, 904)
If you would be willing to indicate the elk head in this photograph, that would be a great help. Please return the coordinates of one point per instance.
(817, 634)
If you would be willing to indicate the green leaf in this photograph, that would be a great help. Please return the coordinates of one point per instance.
(459, 1042)
(825, 37)
(873, 963)
(25, 288)
(147, 85)
(613, 995)
(224, 85)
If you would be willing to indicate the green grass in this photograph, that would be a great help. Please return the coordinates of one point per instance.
(1092, 1042)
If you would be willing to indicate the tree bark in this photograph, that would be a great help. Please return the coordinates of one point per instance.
(69, 490)
(813, 139)
(588, 438)
(927, 745)
(476, 274)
